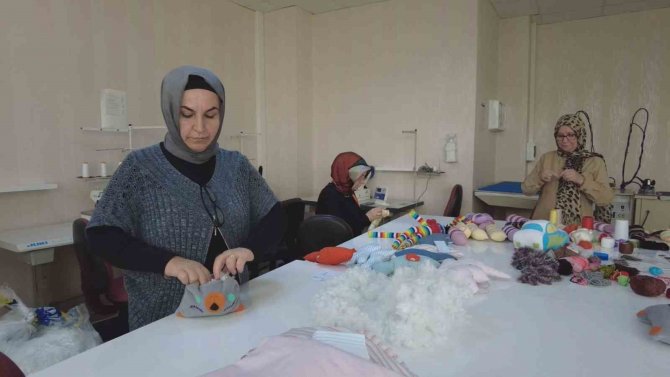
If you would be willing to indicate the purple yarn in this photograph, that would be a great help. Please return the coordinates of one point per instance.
(510, 230)
(604, 227)
(536, 267)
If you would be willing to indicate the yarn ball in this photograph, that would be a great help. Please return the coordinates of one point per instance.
(564, 267)
(607, 271)
(536, 267)
(667, 293)
(647, 286)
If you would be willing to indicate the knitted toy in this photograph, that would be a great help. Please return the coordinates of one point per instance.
(536, 267)
(486, 222)
(412, 235)
(408, 260)
(540, 235)
(459, 233)
(476, 233)
(658, 316)
(218, 297)
(604, 227)
(370, 254)
(332, 255)
(473, 274)
(512, 225)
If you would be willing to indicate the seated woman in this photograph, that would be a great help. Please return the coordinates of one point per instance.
(177, 212)
(349, 172)
(570, 178)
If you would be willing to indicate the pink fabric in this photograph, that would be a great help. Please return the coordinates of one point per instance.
(292, 356)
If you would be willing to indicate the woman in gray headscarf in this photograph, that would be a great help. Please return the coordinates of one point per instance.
(183, 209)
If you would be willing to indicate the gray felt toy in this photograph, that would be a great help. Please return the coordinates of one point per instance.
(218, 297)
(658, 316)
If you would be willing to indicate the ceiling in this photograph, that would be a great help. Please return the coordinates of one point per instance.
(551, 11)
(544, 11)
(311, 6)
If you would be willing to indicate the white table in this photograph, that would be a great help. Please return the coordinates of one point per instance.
(518, 330)
(36, 245)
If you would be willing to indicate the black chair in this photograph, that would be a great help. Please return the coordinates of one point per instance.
(98, 284)
(453, 207)
(287, 251)
(319, 231)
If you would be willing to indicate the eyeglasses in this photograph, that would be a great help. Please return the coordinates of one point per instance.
(568, 136)
(216, 214)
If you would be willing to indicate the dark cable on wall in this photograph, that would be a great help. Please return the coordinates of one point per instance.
(625, 183)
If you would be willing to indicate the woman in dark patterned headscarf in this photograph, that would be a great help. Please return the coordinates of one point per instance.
(570, 178)
(348, 172)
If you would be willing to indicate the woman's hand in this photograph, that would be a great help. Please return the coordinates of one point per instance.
(571, 175)
(375, 213)
(232, 261)
(187, 271)
(548, 175)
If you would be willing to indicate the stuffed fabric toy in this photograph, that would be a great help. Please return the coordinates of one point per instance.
(512, 225)
(375, 223)
(439, 257)
(459, 233)
(408, 260)
(471, 273)
(540, 235)
(476, 233)
(218, 297)
(658, 316)
(370, 254)
(485, 221)
(332, 255)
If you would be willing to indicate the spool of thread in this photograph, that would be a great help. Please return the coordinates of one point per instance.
(626, 247)
(621, 230)
(103, 169)
(84, 170)
(553, 216)
(587, 222)
(607, 242)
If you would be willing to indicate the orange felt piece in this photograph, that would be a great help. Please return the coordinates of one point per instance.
(585, 245)
(331, 255)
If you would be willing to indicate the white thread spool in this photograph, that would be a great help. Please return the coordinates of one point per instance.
(103, 169)
(84, 170)
(621, 230)
(607, 242)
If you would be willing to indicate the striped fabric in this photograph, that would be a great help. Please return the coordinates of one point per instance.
(380, 353)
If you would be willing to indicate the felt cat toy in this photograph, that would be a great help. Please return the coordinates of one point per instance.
(409, 260)
(332, 255)
(473, 274)
(540, 235)
(658, 316)
(218, 297)
(486, 222)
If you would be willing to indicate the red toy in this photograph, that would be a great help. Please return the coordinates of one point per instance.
(332, 255)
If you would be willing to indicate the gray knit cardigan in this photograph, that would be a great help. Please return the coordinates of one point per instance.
(149, 199)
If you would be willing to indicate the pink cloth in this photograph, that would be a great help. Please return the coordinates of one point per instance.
(293, 356)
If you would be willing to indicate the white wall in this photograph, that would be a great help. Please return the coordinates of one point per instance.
(487, 88)
(288, 73)
(608, 66)
(57, 56)
(392, 66)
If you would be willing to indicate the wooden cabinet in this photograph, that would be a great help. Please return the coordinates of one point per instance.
(656, 212)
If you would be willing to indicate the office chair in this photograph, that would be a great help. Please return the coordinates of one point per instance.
(319, 231)
(453, 207)
(98, 281)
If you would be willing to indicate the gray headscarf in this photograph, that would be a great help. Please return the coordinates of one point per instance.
(172, 90)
